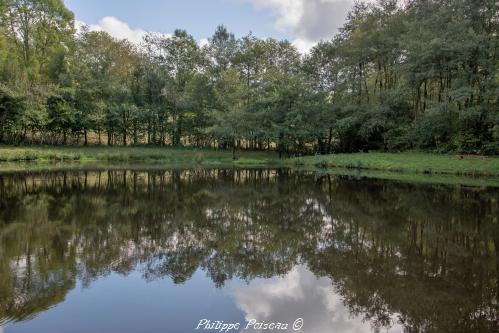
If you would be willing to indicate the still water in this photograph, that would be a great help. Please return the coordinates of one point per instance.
(161, 250)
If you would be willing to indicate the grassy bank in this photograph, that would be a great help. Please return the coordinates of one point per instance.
(420, 163)
(415, 163)
(183, 156)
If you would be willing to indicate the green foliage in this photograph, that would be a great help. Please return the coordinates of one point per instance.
(421, 74)
(60, 112)
(11, 108)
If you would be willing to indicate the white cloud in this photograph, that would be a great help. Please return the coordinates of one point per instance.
(122, 30)
(116, 28)
(288, 12)
(203, 42)
(308, 21)
(303, 45)
(300, 294)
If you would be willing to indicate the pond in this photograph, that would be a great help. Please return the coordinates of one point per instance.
(188, 251)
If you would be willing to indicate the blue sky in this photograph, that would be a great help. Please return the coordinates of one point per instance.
(304, 22)
(198, 17)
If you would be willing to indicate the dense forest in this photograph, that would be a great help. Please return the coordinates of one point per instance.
(399, 75)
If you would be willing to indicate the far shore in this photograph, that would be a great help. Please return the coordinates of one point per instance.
(416, 163)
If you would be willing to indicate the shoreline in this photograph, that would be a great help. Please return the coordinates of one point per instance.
(392, 165)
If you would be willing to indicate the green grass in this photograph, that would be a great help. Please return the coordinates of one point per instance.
(417, 178)
(419, 163)
(132, 154)
(408, 163)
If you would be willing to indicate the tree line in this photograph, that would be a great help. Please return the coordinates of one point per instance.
(399, 75)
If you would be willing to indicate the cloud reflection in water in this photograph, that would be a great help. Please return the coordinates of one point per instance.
(300, 294)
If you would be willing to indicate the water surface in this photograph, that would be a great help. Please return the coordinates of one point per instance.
(160, 250)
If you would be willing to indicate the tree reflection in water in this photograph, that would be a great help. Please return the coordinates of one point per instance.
(422, 257)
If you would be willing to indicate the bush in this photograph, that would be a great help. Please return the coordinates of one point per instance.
(435, 130)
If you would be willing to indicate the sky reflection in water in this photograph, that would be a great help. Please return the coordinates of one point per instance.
(159, 250)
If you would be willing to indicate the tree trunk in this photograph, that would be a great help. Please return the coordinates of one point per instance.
(330, 141)
(125, 128)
